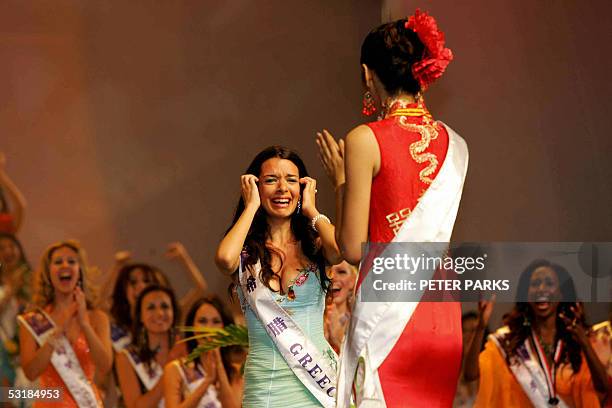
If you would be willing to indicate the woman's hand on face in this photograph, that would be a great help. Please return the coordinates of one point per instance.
(81, 307)
(309, 208)
(331, 154)
(250, 190)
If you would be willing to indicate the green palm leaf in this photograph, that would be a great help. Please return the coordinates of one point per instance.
(211, 338)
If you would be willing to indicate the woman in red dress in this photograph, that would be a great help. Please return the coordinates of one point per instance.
(390, 165)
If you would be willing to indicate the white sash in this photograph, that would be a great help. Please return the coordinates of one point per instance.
(376, 326)
(193, 377)
(120, 338)
(63, 359)
(149, 375)
(527, 371)
(308, 364)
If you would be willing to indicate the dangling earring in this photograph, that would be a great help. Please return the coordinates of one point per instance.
(419, 98)
(526, 322)
(299, 207)
(369, 107)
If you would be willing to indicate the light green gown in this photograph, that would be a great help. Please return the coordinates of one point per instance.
(269, 382)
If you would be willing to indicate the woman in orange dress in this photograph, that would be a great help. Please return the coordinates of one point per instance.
(64, 342)
(542, 356)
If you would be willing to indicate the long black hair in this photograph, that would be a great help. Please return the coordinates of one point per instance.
(390, 50)
(255, 242)
(521, 318)
(120, 309)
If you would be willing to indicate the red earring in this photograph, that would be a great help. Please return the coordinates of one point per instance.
(369, 107)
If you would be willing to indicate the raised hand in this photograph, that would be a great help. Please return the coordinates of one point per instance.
(331, 154)
(309, 208)
(250, 191)
(122, 257)
(485, 308)
(176, 250)
(575, 325)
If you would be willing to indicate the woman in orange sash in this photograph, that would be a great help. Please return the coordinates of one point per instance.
(542, 357)
(65, 342)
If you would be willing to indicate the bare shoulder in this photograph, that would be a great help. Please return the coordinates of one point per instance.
(172, 368)
(98, 317)
(362, 150)
(361, 135)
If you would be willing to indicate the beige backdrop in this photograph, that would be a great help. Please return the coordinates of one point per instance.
(127, 125)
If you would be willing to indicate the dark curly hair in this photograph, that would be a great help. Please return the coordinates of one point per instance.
(521, 318)
(390, 50)
(120, 309)
(255, 242)
(141, 340)
(226, 318)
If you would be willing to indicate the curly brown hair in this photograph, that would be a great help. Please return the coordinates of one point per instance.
(44, 293)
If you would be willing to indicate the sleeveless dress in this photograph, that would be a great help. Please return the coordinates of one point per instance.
(423, 367)
(268, 380)
(51, 379)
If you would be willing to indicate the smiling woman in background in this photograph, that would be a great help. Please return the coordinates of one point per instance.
(64, 342)
(140, 365)
(211, 380)
(542, 356)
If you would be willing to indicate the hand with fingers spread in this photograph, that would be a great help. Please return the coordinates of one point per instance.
(575, 324)
(309, 208)
(331, 154)
(250, 190)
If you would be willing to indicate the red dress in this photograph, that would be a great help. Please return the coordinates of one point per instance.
(423, 367)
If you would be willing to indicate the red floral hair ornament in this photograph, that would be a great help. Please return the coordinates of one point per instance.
(436, 57)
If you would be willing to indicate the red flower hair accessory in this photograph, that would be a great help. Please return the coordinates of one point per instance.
(436, 57)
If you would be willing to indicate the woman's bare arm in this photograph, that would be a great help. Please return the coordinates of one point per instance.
(362, 158)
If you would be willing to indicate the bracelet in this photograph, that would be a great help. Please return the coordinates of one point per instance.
(313, 222)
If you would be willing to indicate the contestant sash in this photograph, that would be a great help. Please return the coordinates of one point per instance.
(120, 338)
(528, 371)
(63, 359)
(193, 377)
(149, 375)
(303, 357)
(376, 326)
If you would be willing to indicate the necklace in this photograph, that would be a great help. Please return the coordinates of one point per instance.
(299, 280)
(401, 107)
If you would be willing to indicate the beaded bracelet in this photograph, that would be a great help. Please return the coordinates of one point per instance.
(313, 222)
